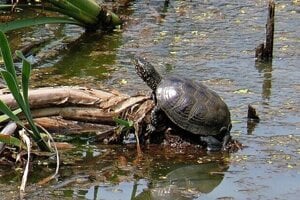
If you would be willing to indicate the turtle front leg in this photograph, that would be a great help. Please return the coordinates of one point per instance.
(213, 144)
(226, 139)
(157, 121)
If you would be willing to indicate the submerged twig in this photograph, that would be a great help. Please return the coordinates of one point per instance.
(47, 179)
(26, 140)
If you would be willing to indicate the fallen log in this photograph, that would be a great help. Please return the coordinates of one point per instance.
(57, 124)
(45, 97)
(79, 109)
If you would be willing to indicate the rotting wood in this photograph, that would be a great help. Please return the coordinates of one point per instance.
(57, 124)
(265, 51)
(45, 97)
(79, 109)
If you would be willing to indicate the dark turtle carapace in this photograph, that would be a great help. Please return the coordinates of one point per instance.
(189, 105)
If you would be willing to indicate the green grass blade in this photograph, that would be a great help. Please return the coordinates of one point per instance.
(13, 87)
(11, 84)
(28, 22)
(5, 117)
(5, 109)
(9, 75)
(6, 54)
(10, 140)
(26, 70)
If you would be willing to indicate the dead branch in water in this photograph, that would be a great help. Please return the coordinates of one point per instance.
(69, 109)
(265, 51)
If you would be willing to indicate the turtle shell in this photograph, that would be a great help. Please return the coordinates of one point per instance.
(192, 106)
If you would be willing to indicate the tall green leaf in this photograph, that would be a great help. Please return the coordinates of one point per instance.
(28, 22)
(5, 117)
(9, 75)
(68, 8)
(88, 6)
(4, 109)
(13, 87)
(26, 70)
(6, 55)
(85, 13)
(11, 83)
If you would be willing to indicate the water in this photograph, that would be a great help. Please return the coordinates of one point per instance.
(210, 41)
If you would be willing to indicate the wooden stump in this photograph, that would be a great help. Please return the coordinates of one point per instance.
(264, 52)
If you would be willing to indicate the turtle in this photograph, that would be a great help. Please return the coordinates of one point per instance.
(189, 105)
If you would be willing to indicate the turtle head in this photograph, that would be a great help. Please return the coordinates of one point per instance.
(147, 72)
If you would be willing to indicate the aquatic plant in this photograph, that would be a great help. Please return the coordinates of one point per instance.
(85, 13)
(19, 90)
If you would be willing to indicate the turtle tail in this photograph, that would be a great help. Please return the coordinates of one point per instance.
(147, 72)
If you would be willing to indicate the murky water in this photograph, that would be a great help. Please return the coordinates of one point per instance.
(209, 41)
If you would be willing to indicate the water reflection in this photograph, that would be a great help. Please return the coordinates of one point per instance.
(266, 69)
(186, 182)
(87, 61)
(251, 124)
(162, 173)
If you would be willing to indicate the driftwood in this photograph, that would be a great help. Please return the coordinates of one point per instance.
(78, 109)
(265, 51)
